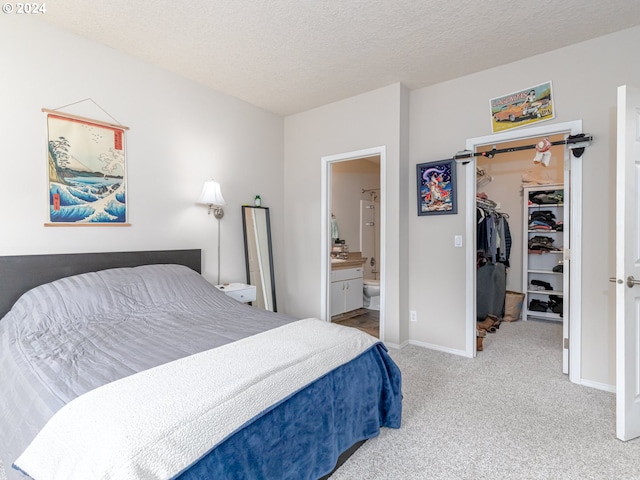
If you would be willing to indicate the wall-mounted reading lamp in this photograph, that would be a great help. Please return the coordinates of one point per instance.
(212, 195)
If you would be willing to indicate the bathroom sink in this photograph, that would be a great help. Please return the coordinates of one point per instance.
(338, 260)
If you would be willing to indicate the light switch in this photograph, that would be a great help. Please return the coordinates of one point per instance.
(457, 240)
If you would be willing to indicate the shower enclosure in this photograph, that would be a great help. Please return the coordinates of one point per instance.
(370, 233)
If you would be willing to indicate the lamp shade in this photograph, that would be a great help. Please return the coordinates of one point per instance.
(211, 194)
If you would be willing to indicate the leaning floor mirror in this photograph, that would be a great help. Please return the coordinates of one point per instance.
(258, 255)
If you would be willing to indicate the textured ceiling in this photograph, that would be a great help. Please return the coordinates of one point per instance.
(288, 56)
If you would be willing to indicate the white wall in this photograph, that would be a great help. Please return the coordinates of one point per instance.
(585, 78)
(181, 134)
(369, 120)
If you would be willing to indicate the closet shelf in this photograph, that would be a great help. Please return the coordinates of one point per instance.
(550, 272)
(538, 265)
(545, 315)
(544, 205)
(546, 292)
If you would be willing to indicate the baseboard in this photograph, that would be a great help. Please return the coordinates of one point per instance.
(396, 346)
(439, 348)
(598, 386)
(426, 345)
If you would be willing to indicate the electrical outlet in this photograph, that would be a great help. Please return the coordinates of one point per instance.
(457, 241)
(413, 316)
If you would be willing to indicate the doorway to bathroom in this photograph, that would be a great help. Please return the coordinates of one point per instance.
(353, 239)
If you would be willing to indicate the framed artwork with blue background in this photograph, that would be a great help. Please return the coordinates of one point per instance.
(437, 188)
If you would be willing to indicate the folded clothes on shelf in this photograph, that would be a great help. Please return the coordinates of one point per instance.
(542, 283)
(554, 304)
(543, 220)
(543, 215)
(536, 305)
(540, 242)
(542, 198)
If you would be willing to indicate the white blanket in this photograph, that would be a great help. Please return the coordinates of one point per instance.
(156, 423)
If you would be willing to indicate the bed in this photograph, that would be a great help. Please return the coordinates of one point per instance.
(174, 378)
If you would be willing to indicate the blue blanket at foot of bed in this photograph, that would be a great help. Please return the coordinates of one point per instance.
(303, 436)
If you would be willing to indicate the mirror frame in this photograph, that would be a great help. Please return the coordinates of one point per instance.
(264, 292)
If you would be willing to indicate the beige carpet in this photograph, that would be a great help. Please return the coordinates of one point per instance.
(508, 414)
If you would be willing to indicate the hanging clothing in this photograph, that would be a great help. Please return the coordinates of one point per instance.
(493, 240)
(491, 289)
(493, 251)
(504, 252)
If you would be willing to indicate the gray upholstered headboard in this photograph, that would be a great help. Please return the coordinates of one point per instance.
(20, 273)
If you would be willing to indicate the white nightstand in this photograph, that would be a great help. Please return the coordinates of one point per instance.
(239, 291)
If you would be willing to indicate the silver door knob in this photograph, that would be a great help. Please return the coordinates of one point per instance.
(615, 280)
(632, 281)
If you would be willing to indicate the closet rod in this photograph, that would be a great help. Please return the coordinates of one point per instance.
(575, 142)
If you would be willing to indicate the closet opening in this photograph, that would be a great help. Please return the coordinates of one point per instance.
(532, 199)
(520, 240)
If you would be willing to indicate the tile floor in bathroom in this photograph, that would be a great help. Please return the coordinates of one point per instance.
(365, 320)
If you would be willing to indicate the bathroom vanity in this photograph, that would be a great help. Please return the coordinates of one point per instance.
(346, 290)
(347, 284)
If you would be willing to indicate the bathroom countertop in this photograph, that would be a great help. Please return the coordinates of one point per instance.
(351, 262)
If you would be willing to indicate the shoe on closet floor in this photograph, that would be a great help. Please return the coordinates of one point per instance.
(487, 324)
(496, 320)
(556, 304)
(480, 334)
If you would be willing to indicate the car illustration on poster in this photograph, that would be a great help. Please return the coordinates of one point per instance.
(522, 111)
(522, 108)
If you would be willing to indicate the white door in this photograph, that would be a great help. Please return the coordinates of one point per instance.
(628, 265)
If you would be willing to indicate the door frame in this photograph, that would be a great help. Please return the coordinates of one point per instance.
(575, 211)
(325, 230)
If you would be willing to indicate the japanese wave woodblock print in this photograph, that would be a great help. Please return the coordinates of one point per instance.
(86, 172)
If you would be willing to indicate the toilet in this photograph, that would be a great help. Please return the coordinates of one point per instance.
(371, 292)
